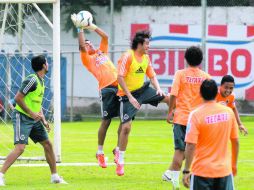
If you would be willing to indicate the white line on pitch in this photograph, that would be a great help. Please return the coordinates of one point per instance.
(96, 164)
(85, 164)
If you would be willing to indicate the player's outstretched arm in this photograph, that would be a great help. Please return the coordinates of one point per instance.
(102, 34)
(241, 126)
(81, 38)
(81, 41)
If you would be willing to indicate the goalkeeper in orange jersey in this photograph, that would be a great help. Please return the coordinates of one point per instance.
(101, 67)
(226, 97)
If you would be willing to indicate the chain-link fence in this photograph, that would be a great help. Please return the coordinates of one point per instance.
(223, 29)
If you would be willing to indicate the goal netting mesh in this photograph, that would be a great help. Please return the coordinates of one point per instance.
(24, 34)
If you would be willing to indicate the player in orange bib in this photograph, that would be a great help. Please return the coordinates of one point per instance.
(98, 63)
(133, 66)
(226, 97)
(184, 97)
(211, 144)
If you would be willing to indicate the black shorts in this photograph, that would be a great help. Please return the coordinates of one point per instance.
(144, 95)
(109, 102)
(221, 183)
(179, 136)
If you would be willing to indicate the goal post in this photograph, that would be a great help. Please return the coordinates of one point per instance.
(55, 55)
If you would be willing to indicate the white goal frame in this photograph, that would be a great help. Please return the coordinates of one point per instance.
(56, 67)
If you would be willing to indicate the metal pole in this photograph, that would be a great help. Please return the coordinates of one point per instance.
(20, 20)
(56, 80)
(3, 24)
(43, 15)
(112, 31)
(72, 85)
(8, 86)
(204, 26)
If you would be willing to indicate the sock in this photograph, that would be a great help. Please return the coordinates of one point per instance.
(117, 148)
(100, 149)
(175, 175)
(55, 175)
(1, 174)
(121, 157)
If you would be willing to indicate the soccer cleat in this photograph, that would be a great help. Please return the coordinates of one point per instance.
(2, 181)
(58, 179)
(167, 176)
(176, 184)
(116, 155)
(101, 160)
(120, 169)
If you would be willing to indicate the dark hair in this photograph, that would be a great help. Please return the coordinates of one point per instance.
(227, 78)
(139, 38)
(193, 56)
(37, 62)
(209, 89)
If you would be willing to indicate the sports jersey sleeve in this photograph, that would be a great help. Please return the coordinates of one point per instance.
(150, 71)
(176, 84)
(192, 131)
(124, 64)
(234, 132)
(231, 104)
(86, 59)
(104, 46)
(28, 85)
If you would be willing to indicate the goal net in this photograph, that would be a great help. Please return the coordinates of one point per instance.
(25, 32)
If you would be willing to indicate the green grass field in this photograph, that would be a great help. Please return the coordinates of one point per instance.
(150, 147)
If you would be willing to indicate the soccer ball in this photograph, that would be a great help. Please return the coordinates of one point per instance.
(84, 19)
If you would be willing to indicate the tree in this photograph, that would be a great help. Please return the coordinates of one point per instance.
(74, 6)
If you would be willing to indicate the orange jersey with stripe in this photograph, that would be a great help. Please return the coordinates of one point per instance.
(211, 127)
(186, 89)
(100, 65)
(133, 71)
(227, 101)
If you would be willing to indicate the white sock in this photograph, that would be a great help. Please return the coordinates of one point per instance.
(1, 174)
(121, 157)
(117, 148)
(100, 149)
(169, 172)
(55, 175)
(175, 175)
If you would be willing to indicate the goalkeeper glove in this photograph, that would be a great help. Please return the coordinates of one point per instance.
(76, 23)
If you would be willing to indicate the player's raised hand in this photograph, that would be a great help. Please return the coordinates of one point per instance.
(134, 102)
(74, 19)
(91, 26)
(243, 129)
